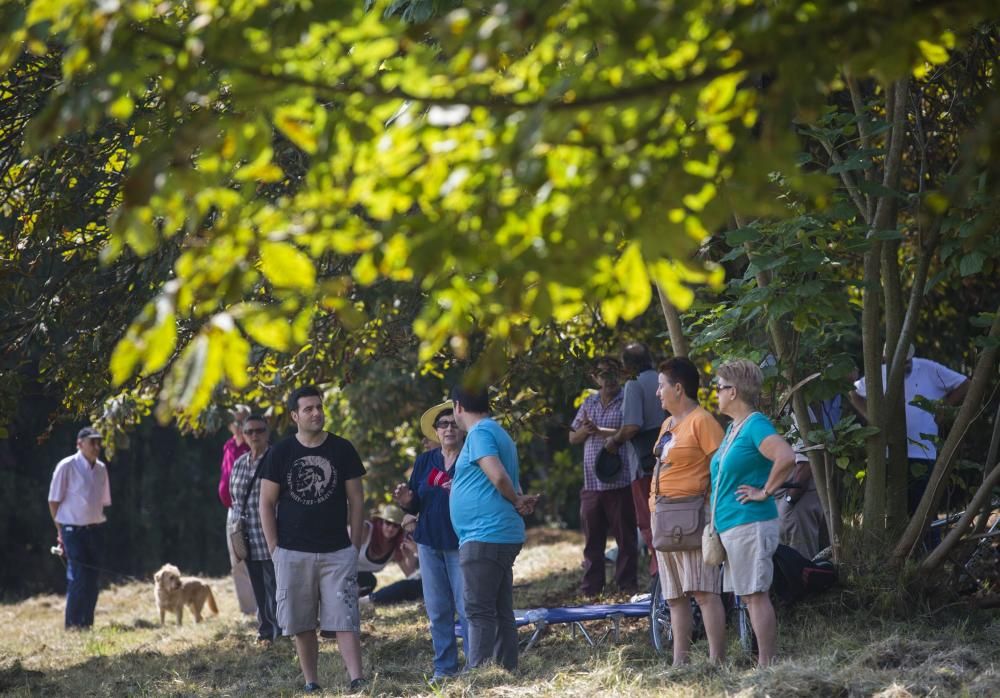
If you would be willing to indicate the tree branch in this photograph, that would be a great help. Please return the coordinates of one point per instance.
(859, 199)
(980, 501)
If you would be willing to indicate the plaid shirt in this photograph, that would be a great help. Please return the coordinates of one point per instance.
(609, 417)
(239, 480)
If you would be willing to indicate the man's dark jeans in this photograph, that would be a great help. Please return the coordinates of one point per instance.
(83, 546)
(265, 586)
(488, 581)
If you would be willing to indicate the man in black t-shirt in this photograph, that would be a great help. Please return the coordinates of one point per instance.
(310, 490)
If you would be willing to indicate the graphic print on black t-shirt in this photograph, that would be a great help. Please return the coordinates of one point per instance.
(311, 480)
(312, 504)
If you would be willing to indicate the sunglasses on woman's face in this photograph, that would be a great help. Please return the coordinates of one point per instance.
(446, 424)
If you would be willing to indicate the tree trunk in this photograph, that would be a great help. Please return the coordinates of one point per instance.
(873, 511)
(677, 339)
(875, 505)
(981, 377)
(898, 468)
(831, 507)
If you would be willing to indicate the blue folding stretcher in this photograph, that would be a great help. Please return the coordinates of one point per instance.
(576, 616)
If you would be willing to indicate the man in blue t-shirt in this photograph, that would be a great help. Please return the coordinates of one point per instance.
(486, 510)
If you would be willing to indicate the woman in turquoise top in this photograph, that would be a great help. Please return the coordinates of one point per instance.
(750, 465)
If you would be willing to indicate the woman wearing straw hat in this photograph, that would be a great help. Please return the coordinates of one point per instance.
(427, 494)
(383, 543)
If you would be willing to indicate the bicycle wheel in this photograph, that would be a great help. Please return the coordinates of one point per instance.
(660, 633)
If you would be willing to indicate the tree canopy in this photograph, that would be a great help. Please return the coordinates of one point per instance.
(500, 166)
(203, 201)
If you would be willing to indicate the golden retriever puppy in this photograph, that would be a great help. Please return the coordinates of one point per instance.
(174, 592)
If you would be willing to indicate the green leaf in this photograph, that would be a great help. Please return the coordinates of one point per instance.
(121, 108)
(876, 188)
(982, 320)
(742, 235)
(893, 234)
(160, 340)
(934, 53)
(124, 360)
(286, 266)
(972, 263)
(268, 327)
(854, 162)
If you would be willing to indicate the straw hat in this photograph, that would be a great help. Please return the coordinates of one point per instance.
(430, 416)
(390, 512)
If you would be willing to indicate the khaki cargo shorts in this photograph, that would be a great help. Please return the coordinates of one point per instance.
(749, 566)
(317, 590)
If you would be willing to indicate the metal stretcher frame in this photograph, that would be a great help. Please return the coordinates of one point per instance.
(576, 616)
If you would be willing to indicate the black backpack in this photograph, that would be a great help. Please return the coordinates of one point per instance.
(796, 575)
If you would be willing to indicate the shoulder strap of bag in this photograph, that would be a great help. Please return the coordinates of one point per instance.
(256, 474)
(722, 455)
(659, 464)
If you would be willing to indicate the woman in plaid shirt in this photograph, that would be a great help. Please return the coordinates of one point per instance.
(259, 565)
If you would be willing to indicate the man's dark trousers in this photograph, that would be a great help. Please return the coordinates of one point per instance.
(82, 545)
(488, 591)
(601, 511)
(264, 583)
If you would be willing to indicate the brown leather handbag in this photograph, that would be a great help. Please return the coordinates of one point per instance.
(677, 522)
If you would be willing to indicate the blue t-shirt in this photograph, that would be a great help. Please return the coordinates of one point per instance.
(744, 465)
(431, 502)
(478, 511)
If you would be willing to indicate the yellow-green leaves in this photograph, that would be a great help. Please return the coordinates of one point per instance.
(490, 172)
(262, 169)
(268, 327)
(302, 123)
(675, 278)
(217, 354)
(934, 53)
(281, 327)
(634, 290)
(286, 266)
(149, 343)
(121, 108)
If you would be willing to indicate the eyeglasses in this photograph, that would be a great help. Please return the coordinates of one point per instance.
(255, 430)
(446, 425)
(720, 386)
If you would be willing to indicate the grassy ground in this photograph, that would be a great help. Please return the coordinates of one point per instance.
(826, 650)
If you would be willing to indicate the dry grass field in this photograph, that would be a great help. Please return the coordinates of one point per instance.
(826, 650)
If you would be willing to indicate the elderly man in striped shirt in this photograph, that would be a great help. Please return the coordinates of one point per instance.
(606, 497)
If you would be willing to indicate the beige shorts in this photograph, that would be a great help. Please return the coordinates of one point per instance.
(317, 590)
(685, 571)
(749, 566)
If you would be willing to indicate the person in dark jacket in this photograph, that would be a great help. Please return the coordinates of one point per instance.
(427, 494)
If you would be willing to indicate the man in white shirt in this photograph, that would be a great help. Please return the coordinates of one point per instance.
(77, 497)
(930, 380)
